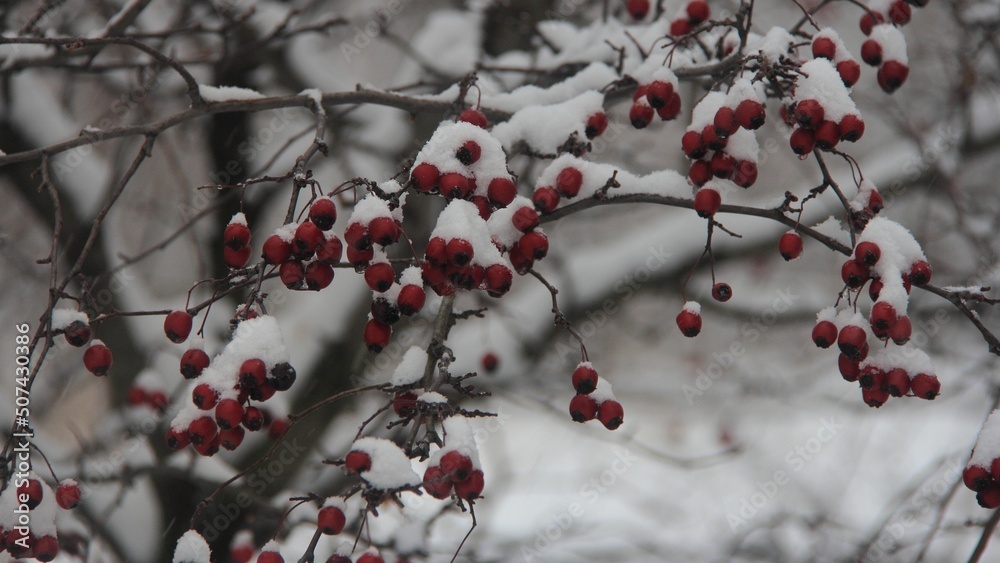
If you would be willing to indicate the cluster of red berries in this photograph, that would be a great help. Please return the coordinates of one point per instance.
(658, 97)
(546, 198)
(236, 240)
(139, 394)
(706, 145)
(883, 11)
(886, 49)
(453, 470)
(982, 473)
(387, 306)
(594, 399)
(692, 15)
(226, 393)
(827, 45)
(306, 253)
(31, 493)
(97, 358)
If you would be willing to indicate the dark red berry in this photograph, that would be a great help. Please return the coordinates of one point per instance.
(658, 93)
(596, 124)
(790, 246)
(641, 115)
(535, 244)
(637, 8)
(725, 122)
(253, 419)
(32, 489)
(459, 251)
(584, 379)
(583, 408)
(411, 299)
(824, 48)
(851, 128)
(455, 186)
(501, 191)
(437, 483)
(318, 275)
(177, 326)
(357, 461)
(569, 181)
(228, 413)
(698, 11)
(809, 113)
(97, 358)
(611, 414)
(693, 145)
(871, 52)
(425, 177)
(236, 236)
(276, 250)
(379, 276)
(377, 336)
(490, 362)
(471, 488)
(750, 114)
(498, 279)
(292, 274)
(925, 386)
(331, 520)
(722, 292)
(68, 494)
(824, 334)
(707, 201)
(920, 273)
(323, 213)
(802, 141)
(851, 341)
(475, 117)
(850, 72)
(892, 75)
(689, 322)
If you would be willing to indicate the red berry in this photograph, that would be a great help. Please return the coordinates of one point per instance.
(897, 382)
(892, 75)
(459, 251)
(874, 397)
(236, 259)
(77, 333)
(802, 141)
(745, 174)
(19, 543)
(276, 250)
(177, 439)
(698, 11)
(867, 253)
(722, 165)
(356, 236)
(521, 261)
(471, 488)
(204, 397)
(854, 274)
(641, 114)
(790, 246)
(689, 322)
(253, 373)
(236, 236)
(535, 244)
(925, 386)
(707, 201)
(455, 186)
(136, 396)
(824, 48)
(318, 275)
(501, 191)
(725, 122)
(824, 334)
(32, 488)
(712, 140)
(569, 181)
(750, 114)
(546, 199)
(490, 362)
(270, 557)
(456, 465)
(253, 419)
(827, 135)
(307, 239)
(323, 213)
(377, 336)
(722, 292)
(851, 341)
(177, 326)
(357, 462)
(46, 548)
(851, 129)
(693, 145)
(436, 252)
(475, 117)
(404, 404)
(97, 358)
(331, 520)
(870, 20)
(809, 113)
(901, 330)
(411, 299)
(331, 251)
(597, 123)
(658, 93)
(383, 231)
(920, 273)
(680, 26)
(468, 153)
(202, 430)
(425, 176)
(850, 72)
(498, 280)
(437, 483)
(637, 8)
(989, 497)
(68, 494)
(976, 477)
(850, 369)
(700, 173)
(611, 414)
(292, 274)
(871, 52)
(582, 408)
(584, 379)
(228, 413)
(379, 276)
(525, 219)
(899, 12)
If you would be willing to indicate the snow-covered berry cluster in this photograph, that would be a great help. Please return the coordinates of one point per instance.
(28, 508)
(594, 398)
